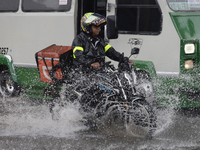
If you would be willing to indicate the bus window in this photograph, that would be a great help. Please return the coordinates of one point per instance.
(9, 5)
(184, 5)
(139, 17)
(46, 5)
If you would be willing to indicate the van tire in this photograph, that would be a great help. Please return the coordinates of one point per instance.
(8, 88)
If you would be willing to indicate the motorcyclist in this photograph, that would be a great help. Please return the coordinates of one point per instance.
(89, 49)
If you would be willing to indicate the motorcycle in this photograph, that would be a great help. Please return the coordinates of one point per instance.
(110, 95)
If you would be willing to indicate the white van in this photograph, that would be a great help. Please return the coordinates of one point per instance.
(169, 31)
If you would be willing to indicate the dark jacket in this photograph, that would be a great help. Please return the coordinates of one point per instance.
(87, 51)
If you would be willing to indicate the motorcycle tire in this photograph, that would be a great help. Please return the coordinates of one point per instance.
(141, 119)
(114, 115)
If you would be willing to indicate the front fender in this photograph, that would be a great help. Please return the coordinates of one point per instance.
(8, 61)
(147, 66)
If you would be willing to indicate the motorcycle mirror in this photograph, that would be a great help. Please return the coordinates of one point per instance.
(134, 51)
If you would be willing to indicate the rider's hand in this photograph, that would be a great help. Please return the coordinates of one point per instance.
(130, 61)
(95, 65)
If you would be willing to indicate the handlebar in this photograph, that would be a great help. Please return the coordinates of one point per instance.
(125, 66)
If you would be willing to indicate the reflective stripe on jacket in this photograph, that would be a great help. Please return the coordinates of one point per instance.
(87, 51)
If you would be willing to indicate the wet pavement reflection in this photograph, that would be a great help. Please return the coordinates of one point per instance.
(27, 125)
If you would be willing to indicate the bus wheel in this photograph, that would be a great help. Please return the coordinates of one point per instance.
(8, 88)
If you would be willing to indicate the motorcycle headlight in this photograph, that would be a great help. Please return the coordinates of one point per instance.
(189, 48)
(145, 88)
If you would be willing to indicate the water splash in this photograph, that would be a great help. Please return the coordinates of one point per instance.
(165, 118)
(21, 118)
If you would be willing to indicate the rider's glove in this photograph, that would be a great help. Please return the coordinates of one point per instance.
(126, 59)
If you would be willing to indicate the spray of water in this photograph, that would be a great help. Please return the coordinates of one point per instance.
(166, 113)
(20, 118)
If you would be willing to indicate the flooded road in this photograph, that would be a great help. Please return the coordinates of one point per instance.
(26, 125)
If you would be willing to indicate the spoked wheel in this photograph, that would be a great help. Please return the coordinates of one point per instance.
(114, 116)
(140, 119)
(8, 88)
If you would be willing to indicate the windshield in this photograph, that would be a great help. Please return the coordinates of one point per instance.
(184, 5)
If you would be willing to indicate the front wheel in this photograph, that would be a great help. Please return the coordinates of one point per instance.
(8, 88)
(141, 119)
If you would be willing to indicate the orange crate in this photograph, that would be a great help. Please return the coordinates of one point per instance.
(48, 58)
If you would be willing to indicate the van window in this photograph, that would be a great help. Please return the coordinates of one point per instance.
(136, 2)
(139, 17)
(46, 5)
(9, 5)
(97, 6)
(184, 5)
